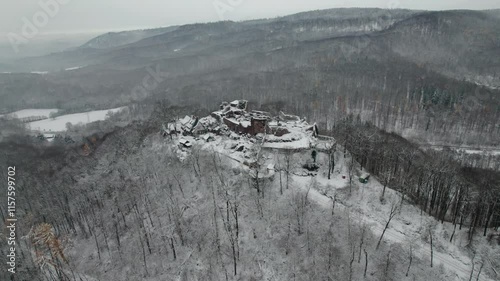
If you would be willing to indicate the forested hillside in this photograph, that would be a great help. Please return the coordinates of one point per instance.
(341, 144)
(431, 76)
(432, 180)
(131, 210)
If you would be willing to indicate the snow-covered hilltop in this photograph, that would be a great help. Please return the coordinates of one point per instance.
(235, 129)
(287, 152)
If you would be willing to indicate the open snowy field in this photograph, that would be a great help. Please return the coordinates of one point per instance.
(478, 151)
(488, 150)
(25, 113)
(58, 124)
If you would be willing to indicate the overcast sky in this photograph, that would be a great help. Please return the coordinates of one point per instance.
(103, 15)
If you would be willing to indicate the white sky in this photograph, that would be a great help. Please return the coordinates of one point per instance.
(104, 15)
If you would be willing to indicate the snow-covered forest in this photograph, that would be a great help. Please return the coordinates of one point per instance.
(132, 210)
(342, 144)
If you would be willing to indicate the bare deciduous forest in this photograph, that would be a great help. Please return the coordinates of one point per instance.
(383, 163)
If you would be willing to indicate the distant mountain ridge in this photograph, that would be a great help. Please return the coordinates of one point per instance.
(336, 57)
(115, 39)
(467, 40)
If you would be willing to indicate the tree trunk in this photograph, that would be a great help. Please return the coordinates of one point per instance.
(479, 273)
(432, 250)
(411, 259)
(173, 248)
(366, 262)
(350, 264)
(472, 271)
(453, 234)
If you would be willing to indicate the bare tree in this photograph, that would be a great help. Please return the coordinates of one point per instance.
(299, 204)
(366, 262)
(410, 259)
(231, 227)
(279, 169)
(432, 249)
(361, 240)
(472, 270)
(392, 214)
(387, 265)
(334, 200)
(332, 148)
(288, 166)
(386, 179)
(480, 269)
(351, 262)
(351, 164)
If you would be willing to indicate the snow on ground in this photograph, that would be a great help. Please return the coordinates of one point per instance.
(401, 231)
(488, 150)
(49, 137)
(409, 226)
(228, 146)
(73, 68)
(58, 124)
(479, 151)
(25, 113)
(297, 138)
(293, 145)
(302, 143)
(39, 72)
